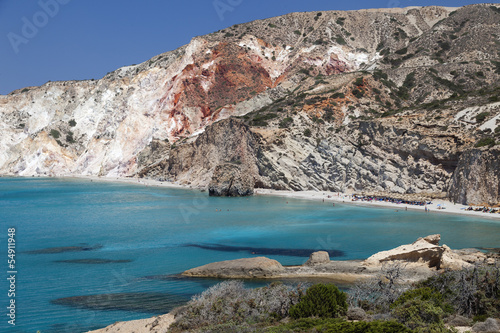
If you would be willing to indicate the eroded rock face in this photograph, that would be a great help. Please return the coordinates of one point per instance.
(229, 180)
(477, 177)
(260, 267)
(224, 156)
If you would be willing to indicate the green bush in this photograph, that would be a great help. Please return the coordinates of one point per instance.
(485, 142)
(481, 117)
(338, 95)
(358, 93)
(307, 132)
(72, 123)
(69, 137)
(402, 51)
(420, 308)
(55, 134)
(340, 40)
(497, 130)
(321, 300)
(286, 122)
(338, 325)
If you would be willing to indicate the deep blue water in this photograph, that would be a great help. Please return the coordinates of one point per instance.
(149, 229)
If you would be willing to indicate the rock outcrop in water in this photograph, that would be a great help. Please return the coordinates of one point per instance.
(259, 267)
(418, 260)
(387, 100)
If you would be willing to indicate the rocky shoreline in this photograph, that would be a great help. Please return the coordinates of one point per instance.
(417, 261)
(328, 197)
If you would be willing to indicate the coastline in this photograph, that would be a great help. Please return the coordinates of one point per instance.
(333, 197)
(344, 198)
(328, 197)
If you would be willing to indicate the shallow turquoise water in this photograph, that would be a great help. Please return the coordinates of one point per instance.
(151, 226)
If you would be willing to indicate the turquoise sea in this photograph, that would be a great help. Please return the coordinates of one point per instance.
(123, 245)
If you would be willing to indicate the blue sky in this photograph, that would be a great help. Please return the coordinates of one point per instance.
(52, 40)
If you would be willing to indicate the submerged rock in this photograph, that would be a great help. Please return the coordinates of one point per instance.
(158, 303)
(63, 249)
(260, 267)
(264, 250)
(93, 261)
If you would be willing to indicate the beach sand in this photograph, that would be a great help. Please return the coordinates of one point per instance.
(337, 197)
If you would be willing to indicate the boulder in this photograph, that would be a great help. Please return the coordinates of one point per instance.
(433, 239)
(459, 321)
(320, 257)
(259, 267)
(356, 314)
(452, 260)
(489, 326)
(421, 252)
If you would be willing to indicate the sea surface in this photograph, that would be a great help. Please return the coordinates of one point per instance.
(89, 254)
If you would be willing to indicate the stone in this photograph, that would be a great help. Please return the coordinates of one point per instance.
(452, 260)
(426, 252)
(320, 257)
(421, 252)
(490, 261)
(259, 267)
(433, 239)
(489, 326)
(459, 320)
(356, 314)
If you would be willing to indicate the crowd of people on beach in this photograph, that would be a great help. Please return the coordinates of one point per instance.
(390, 200)
(484, 210)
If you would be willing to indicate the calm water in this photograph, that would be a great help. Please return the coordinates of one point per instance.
(147, 230)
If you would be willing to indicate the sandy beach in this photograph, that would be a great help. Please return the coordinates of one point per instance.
(336, 197)
(333, 197)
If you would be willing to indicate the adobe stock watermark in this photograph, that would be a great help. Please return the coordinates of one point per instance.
(31, 27)
(224, 6)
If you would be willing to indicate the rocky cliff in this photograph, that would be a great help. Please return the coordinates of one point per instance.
(476, 179)
(388, 100)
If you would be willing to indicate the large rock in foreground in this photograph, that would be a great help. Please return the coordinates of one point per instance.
(424, 252)
(247, 268)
